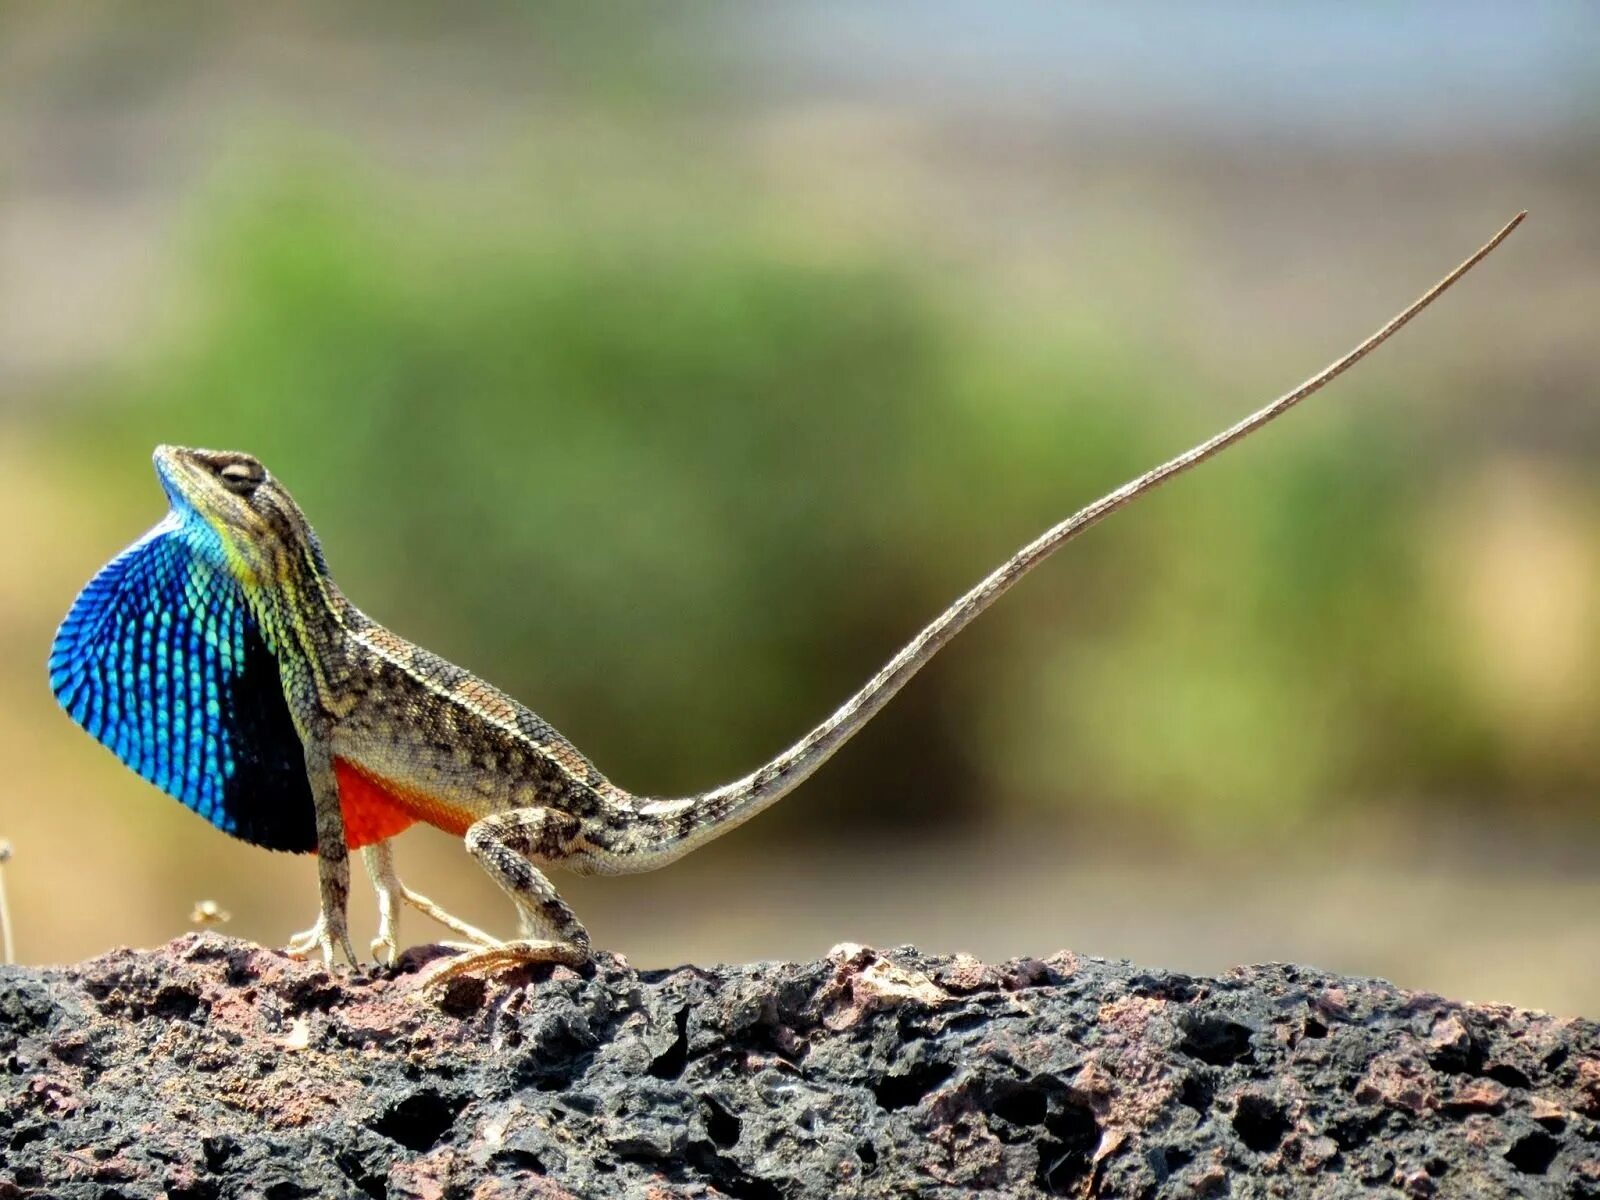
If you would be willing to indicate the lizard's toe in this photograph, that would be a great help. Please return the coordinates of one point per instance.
(321, 937)
(350, 955)
(490, 960)
(303, 943)
(385, 950)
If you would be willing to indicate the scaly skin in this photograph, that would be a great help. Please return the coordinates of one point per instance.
(391, 734)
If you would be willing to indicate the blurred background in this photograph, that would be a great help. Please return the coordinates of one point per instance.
(670, 366)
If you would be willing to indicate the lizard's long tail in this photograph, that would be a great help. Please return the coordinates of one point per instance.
(672, 828)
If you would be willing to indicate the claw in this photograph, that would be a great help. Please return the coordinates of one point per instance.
(303, 943)
(321, 937)
(384, 949)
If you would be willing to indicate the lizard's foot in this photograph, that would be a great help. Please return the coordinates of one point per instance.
(379, 859)
(386, 949)
(303, 943)
(502, 956)
(320, 936)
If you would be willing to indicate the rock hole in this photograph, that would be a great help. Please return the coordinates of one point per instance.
(1024, 1105)
(1533, 1152)
(359, 1173)
(552, 1061)
(1462, 1058)
(527, 1160)
(175, 1003)
(728, 1176)
(418, 1121)
(1181, 988)
(1555, 1058)
(1355, 1131)
(216, 1150)
(463, 996)
(721, 1125)
(1260, 1123)
(670, 1063)
(1066, 1155)
(1470, 1103)
(962, 1022)
(1166, 1161)
(868, 1154)
(1217, 1041)
(1507, 1074)
(1314, 1029)
(902, 1091)
(26, 1135)
(1197, 1093)
(775, 1039)
(582, 1103)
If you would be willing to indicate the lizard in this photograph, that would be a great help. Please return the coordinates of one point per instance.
(216, 657)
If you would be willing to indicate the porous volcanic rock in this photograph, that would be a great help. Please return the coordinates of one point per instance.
(211, 1068)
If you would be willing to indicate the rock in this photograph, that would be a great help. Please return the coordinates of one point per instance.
(211, 1068)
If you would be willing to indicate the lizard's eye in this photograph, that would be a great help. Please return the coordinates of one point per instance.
(240, 477)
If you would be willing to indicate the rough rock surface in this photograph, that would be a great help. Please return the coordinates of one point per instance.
(212, 1068)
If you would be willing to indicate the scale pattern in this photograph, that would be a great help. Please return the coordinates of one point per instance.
(162, 661)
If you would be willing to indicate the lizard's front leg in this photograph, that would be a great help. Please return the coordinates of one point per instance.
(506, 846)
(333, 858)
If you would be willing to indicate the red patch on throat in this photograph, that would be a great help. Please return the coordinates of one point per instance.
(372, 811)
(375, 808)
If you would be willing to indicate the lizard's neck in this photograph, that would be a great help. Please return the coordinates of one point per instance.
(303, 615)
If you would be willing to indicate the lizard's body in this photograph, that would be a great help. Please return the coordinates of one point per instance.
(217, 658)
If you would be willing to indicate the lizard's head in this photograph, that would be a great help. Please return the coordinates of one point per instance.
(238, 513)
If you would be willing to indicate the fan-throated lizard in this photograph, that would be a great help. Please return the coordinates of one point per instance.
(216, 657)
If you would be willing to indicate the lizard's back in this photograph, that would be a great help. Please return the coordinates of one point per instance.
(417, 738)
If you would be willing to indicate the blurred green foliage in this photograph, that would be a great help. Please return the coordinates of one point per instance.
(680, 479)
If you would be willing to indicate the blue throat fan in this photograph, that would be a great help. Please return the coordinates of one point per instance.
(162, 661)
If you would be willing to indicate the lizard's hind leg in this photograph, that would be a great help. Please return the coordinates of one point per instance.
(506, 846)
(379, 861)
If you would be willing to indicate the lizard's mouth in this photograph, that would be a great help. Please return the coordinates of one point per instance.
(177, 475)
(191, 487)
